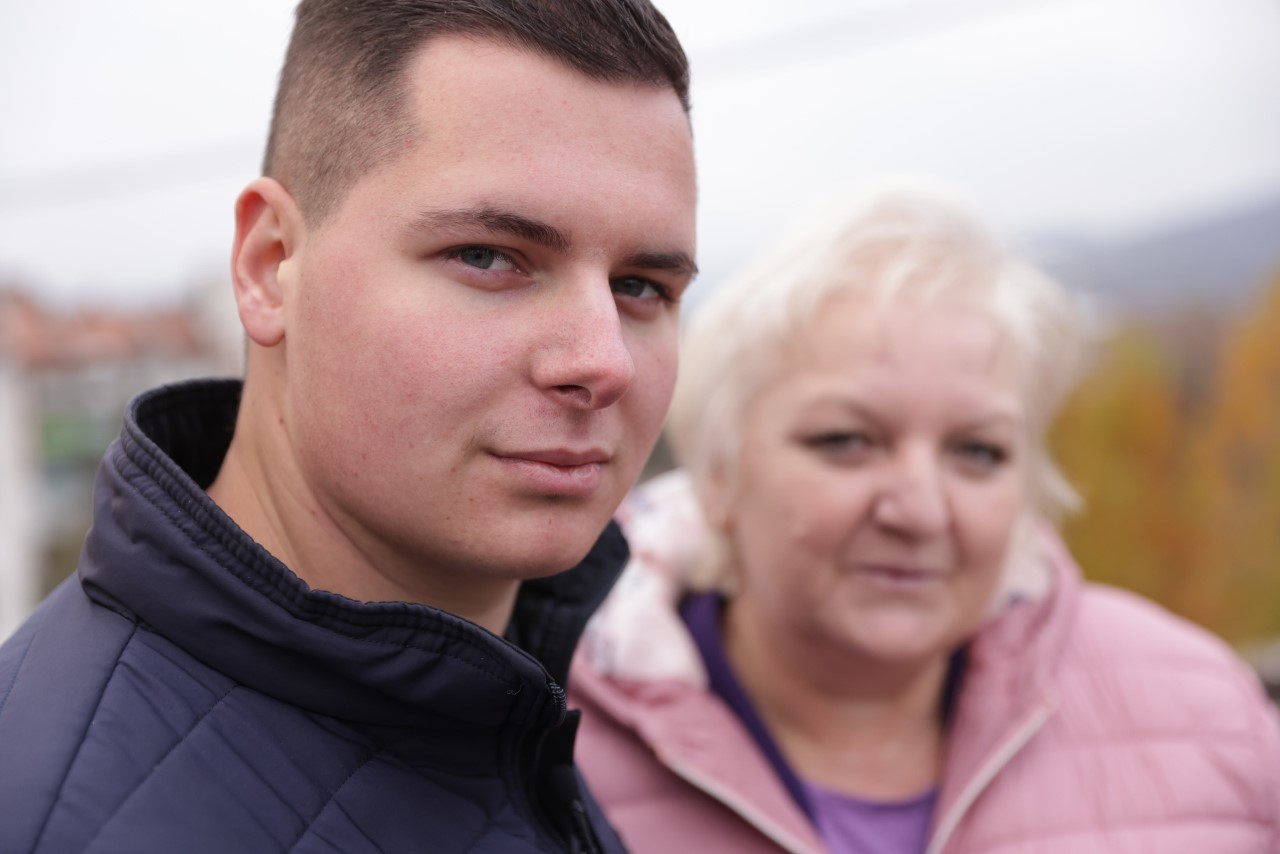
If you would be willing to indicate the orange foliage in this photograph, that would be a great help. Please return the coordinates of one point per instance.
(1182, 492)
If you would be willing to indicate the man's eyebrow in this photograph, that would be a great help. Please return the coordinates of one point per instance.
(496, 221)
(675, 262)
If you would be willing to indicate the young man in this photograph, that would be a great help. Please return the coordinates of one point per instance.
(333, 610)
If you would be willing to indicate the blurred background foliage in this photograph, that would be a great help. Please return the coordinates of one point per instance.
(1173, 441)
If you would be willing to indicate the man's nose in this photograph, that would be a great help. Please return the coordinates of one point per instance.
(912, 499)
(587, 363)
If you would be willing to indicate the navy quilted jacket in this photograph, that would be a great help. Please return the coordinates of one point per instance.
(185, 692)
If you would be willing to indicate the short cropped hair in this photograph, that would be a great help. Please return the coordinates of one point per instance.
(904, 239)
(340, 105)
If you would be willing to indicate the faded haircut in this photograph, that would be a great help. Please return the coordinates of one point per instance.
(340, 106)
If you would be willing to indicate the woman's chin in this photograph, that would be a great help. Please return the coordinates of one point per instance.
(898, 639)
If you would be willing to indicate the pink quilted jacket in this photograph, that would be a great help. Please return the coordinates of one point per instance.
(1089, 720)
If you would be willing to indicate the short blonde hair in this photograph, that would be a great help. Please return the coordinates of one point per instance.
(904, 236)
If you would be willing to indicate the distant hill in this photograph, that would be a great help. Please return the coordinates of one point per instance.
(1216, 263)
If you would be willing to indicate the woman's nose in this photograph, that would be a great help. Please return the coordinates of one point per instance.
(912, 499)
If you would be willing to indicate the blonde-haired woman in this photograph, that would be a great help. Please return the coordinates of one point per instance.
(849, 625)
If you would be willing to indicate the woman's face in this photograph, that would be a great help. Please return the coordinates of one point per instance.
(880, 480)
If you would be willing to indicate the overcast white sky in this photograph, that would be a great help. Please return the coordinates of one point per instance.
(129, 127)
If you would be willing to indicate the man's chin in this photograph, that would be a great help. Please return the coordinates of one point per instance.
(547, 556)
(546, 565)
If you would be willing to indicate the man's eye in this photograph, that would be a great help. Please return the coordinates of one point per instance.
(638, 288)
(484, 258)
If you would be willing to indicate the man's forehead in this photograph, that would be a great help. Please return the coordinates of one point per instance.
(452, 57)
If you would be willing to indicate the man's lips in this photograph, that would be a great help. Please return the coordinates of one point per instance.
(563, 457)
(561, 472)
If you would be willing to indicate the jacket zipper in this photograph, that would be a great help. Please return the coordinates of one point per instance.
(988, 771)
(579, 837)
(590, 843)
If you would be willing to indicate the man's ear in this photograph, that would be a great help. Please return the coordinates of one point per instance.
(269, 230)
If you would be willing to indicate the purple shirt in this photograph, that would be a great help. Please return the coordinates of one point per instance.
(847, 824)
(870, 827)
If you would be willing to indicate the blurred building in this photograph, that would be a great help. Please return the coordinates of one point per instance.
(65, 377)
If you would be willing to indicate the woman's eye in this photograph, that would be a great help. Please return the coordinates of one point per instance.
(484, 258)
(982, 454)
(839, 441)
(638, 288)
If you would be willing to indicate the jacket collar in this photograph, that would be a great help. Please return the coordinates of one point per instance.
(163, 552)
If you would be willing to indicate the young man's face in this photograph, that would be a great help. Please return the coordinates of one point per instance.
(481, 342)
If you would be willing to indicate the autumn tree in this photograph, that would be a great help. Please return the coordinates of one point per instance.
(1238, 471)
(1120, 442)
